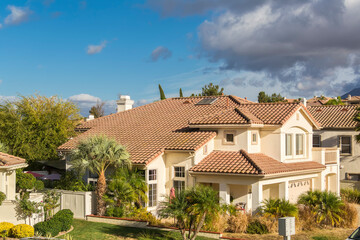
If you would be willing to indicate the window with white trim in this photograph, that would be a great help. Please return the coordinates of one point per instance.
(152, 175)
(229, 138)
(179, 185)
(345, 144)
(254, 138)
(316, 140)
(179, 172)
(152, 194)
(299, 148)
(288, 144)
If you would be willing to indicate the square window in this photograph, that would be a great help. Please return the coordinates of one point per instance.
(316, 141)
(152, 175)
(179, 171)
(229, 137)
(179, 185)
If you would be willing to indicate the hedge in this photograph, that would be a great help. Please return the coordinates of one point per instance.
(5, 226)
(61, 221)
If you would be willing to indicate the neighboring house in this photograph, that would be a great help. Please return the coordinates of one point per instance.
(317, 101)
(247, 151)
(351, 100)
(338, 130)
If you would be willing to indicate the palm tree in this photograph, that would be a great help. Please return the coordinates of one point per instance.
(278, 208)
(126, 187)
(326, 206)
(97, 154)
(191, 208)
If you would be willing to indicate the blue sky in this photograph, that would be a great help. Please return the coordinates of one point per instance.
(93, 50)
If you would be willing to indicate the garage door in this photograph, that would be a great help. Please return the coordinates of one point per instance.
(296, 188)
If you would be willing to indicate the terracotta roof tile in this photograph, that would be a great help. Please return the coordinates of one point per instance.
(241, 162)
(335, 116)
(9, 160)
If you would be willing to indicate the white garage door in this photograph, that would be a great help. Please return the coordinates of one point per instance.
(296, 188)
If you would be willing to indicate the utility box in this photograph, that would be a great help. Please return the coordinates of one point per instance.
(287, 227)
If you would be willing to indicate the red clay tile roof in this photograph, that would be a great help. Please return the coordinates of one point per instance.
(148, 130)
(9, 160)
(241, 162)
(335, 116)
(317, 101)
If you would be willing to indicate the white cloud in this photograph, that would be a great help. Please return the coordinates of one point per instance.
(93, 49)
(17, 15)
(83, 97)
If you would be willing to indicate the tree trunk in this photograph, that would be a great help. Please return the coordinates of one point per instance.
(100, 191)
(199, 226)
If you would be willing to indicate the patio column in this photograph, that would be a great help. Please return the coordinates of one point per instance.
(257, 196)
(284, 190)
(224, 193)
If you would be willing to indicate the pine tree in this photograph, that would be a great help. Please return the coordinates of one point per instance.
(180, 93)
(162, 94)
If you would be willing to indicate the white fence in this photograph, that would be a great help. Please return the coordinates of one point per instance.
(80, 203)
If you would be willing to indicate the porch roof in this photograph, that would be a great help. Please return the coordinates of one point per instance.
(10, 160)
(241, 162)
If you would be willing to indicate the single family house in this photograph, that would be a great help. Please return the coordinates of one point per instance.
(246, 151)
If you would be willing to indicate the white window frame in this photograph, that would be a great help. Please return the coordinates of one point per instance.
(293, 155)
(152, 182)
(286, 145)
(296, 144)
(179, 178)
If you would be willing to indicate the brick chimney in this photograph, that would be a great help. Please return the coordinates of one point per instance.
(124, 103)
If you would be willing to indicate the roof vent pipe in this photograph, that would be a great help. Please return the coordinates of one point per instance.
(303, 101)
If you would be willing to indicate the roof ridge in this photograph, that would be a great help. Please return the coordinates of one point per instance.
(246, 116)
(246, 155)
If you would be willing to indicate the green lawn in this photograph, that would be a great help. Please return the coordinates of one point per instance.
(84, 230)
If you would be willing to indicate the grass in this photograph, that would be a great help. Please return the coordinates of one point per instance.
(84, 230)
(319, 234)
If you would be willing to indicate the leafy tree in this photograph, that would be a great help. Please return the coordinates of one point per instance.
(51, 201)
(25, 208)
(336, 101)
(162, 94)
(126, 187)
(3, 148)
(191, 208)
(97, 154)
(264, 98)
(33, 127)
(26, 182)
(181, 93)
(278, 208)
(325, 206)
(72, 181)
(98, 110)
(210, 90)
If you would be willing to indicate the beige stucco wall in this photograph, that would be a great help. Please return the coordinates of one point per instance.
(8, 183)
(240, 140)
(348, 163)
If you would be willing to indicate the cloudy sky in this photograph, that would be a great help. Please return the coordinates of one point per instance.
(89, 51)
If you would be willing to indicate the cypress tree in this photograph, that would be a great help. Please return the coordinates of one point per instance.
(180, 93)
(162, 94)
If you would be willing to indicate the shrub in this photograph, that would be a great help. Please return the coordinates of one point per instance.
(256, 227)
(350, 195)
(278, 208)
(238, 222)
(307, 220)
(2, 197)
(349, 215)
(5, 226)
(115, 211)
(66, 217)
(22, 231)
(52, 227)
(326, 207)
